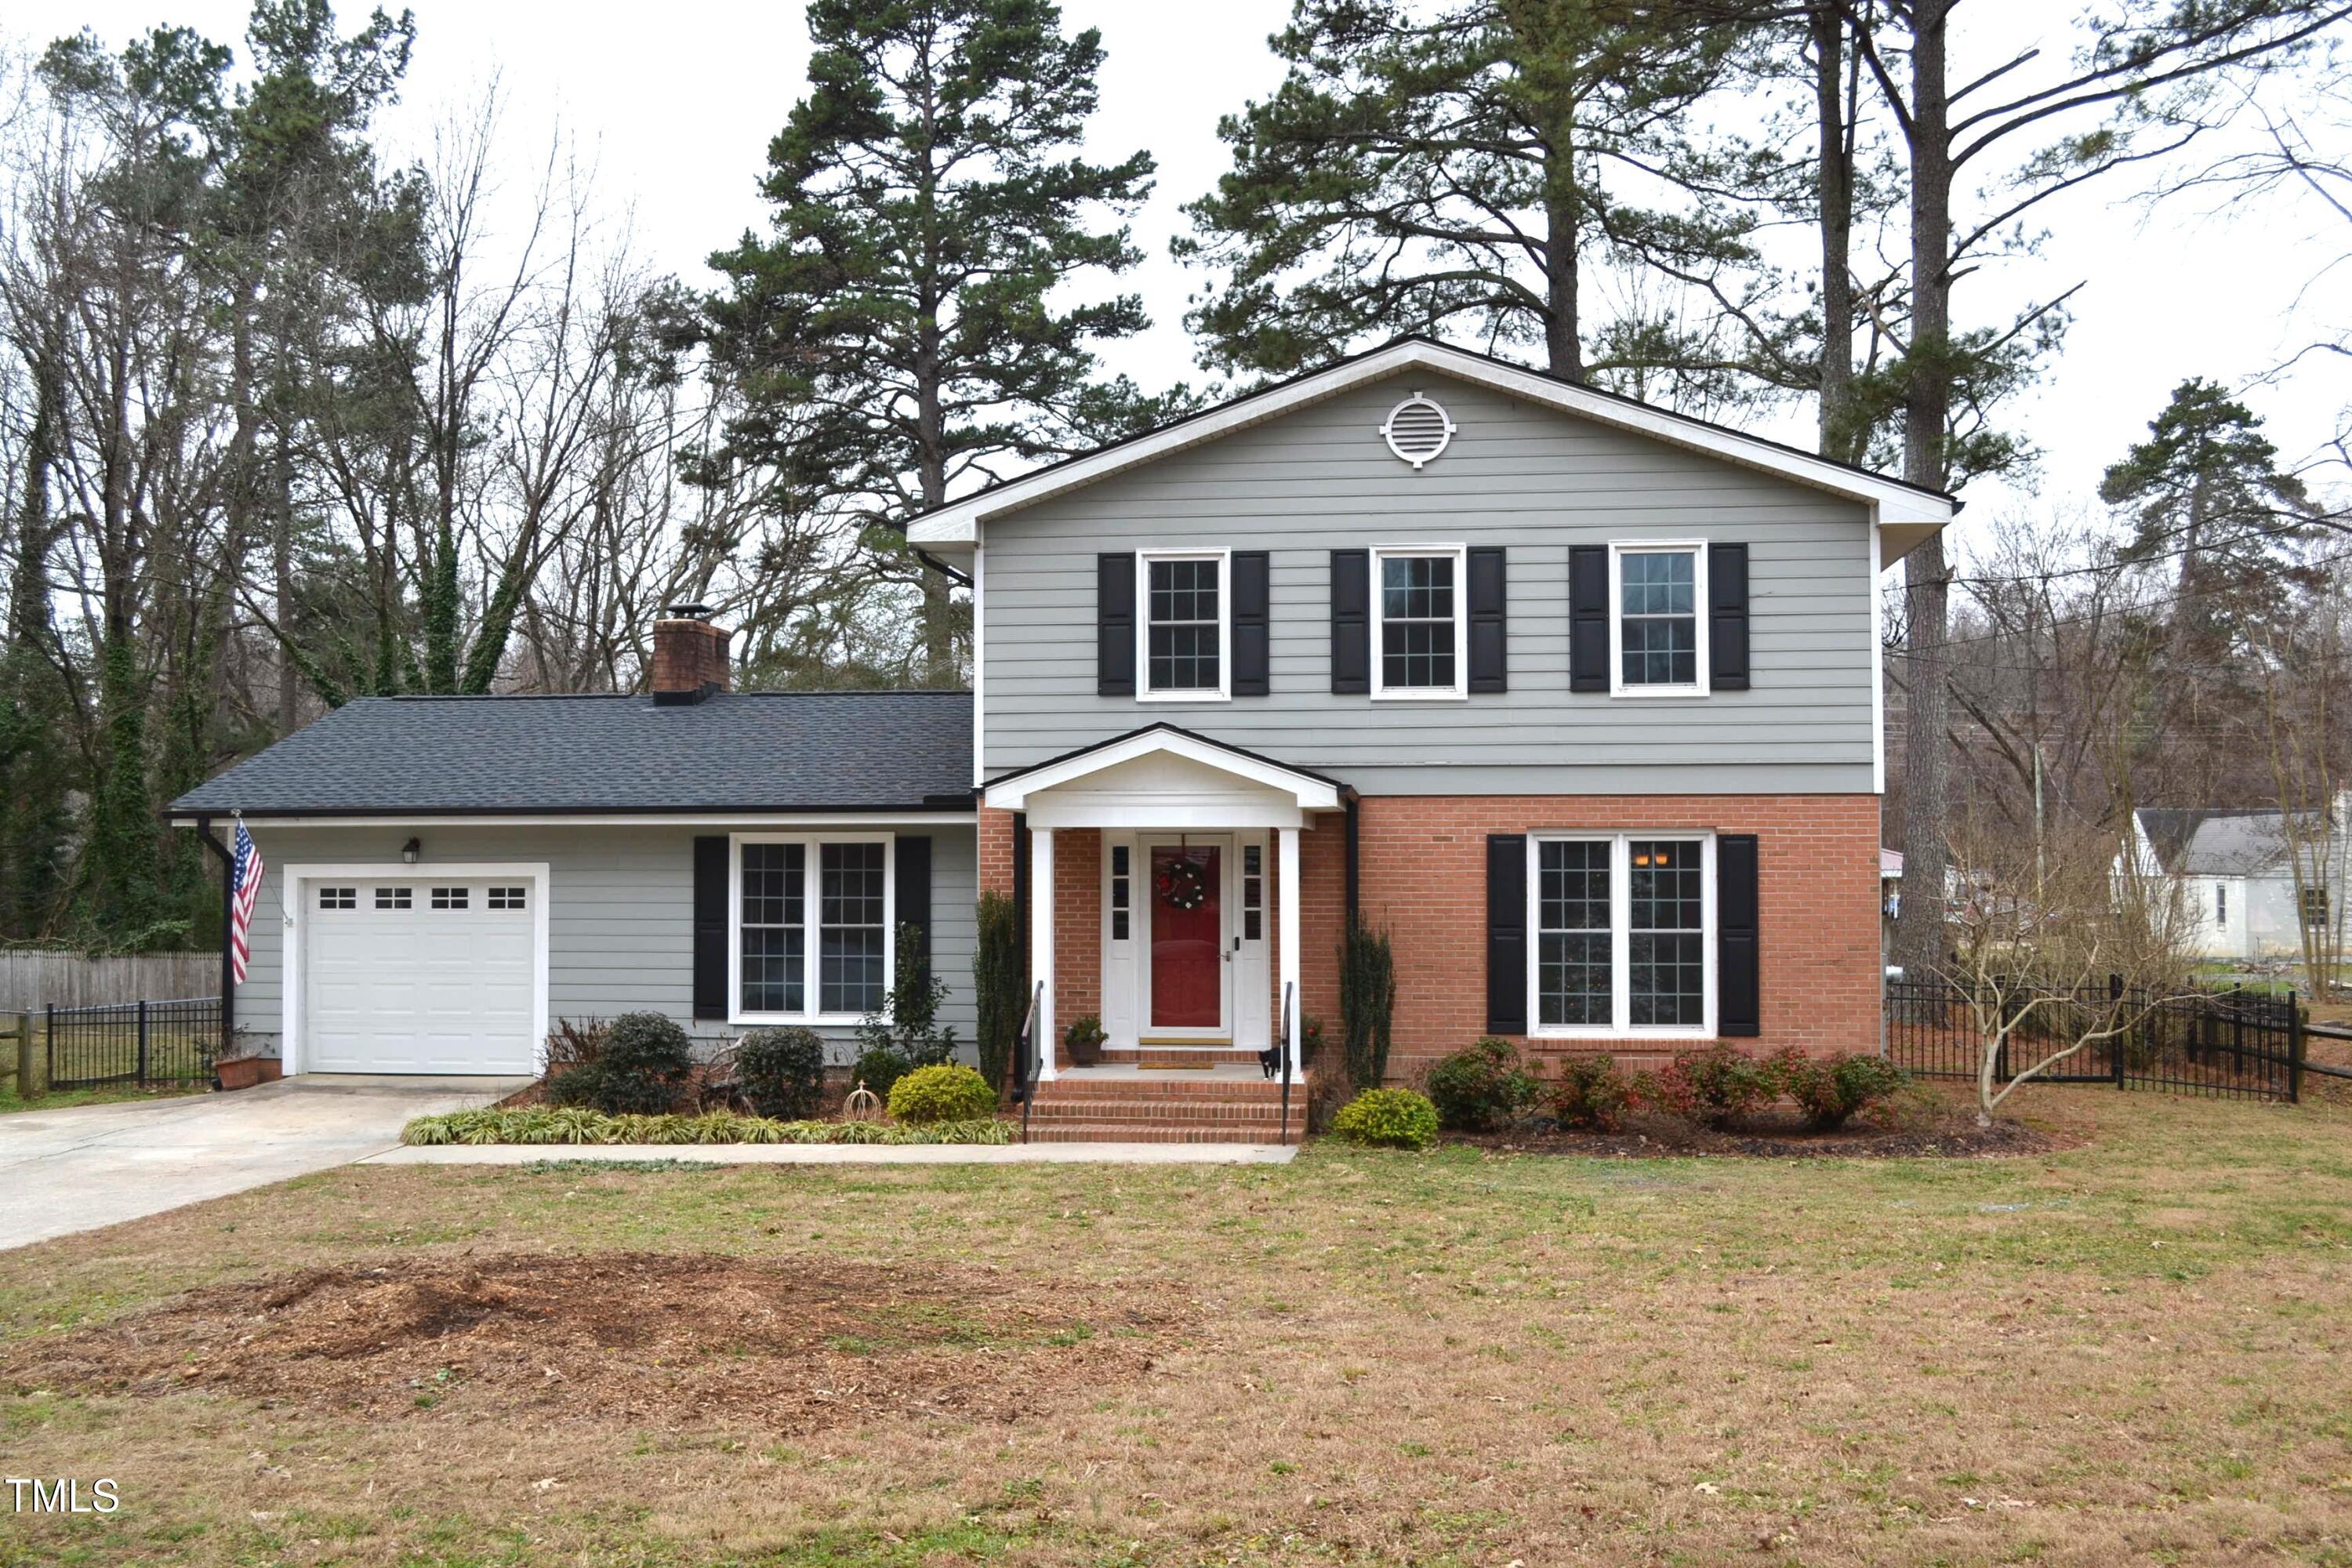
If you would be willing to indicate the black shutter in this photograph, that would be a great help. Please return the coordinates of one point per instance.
(1114, 626)
(1253, 590)
(711, 926)
(1507, 934)
(1738, 1005)
(912, 888)
(1489, 639)
(1352, 621)
(1587, 617)
(1727, 619)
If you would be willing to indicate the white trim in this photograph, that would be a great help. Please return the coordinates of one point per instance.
(1891, 503)
(1620, 937)
(1289, 978)
(1311, 794)
(1227, 1029)
(1877, 668)
(292, 952)
(1143, 690)
(422, 825)
(1460, 690)
(812, 922)
(1618, 550)
(978, 668)
(1444, 436)
(1043, 901)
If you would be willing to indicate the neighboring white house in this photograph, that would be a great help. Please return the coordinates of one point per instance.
(2233, 872)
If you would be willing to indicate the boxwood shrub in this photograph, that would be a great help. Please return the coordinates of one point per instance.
(1388, 1118)
(1479, 1088)
(947, 1092)
(642, 1069)
(782, 1071)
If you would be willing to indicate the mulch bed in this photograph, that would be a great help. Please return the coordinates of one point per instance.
(638, 1339)
(1777, 1138)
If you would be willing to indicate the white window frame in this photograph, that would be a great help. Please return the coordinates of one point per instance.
(1621, 936)
(812, 911)
(1618, 551)
(1460, 690)
(1225, 689)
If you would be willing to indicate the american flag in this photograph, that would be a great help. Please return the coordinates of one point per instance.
(245, 884)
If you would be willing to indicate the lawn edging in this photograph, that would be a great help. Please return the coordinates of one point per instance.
(542, 1126)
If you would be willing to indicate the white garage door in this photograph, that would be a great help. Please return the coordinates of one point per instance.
(418, 975)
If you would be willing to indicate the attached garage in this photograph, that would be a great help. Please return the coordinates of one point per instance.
(436, 970)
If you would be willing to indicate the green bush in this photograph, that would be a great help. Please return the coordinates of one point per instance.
(1388, 1118)
(946, 1092)
(1479, 1088)
(879, 1067)
(908, 1022)
(642, 1068)
(576, 1125)
(1592, 1093)
(1717, 1086)
(1367, 1003)
(1829, 1090)
(782, 1071)
(997, 989)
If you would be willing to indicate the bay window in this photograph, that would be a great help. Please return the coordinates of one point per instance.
(794, 896)
(1625, 934)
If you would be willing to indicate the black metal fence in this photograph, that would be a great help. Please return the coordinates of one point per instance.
(2241, 1044)
(133, 1042)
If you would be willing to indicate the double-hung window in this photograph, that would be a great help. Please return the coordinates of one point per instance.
(1185, 625)
(1420, 649)
(1625, 930)
(1657, 639)
(812, 920)
(2315, 908)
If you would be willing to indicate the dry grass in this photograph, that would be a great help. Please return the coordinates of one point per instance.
(2130, 1351)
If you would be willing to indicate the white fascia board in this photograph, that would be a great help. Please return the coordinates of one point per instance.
(1311, 794)
(640, 819)
(1892, 503)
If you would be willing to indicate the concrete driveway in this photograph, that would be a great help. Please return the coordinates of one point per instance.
(92, 1166)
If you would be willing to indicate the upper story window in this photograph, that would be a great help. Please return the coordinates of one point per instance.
(803, 898)
(1184, 623)
(2315, 908)
(1657, 648)
(1421, 624)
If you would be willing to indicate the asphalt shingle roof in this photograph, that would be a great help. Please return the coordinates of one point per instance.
(2216, 843)
(795, 750)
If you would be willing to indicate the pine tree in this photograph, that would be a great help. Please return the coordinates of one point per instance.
(893, 339)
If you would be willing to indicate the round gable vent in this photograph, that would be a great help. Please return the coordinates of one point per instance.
(1418, 429)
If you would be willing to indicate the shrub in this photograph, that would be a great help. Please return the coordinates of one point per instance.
(907, 1020)
(782, 1071)
(1388, 1118)
(997, 990)
(1592, 1093)
(1367, 1003)
(538, 1124)
(1717, 1086)
(1479, 1088)
(945, 1092)
(1083, 1040)
(879, 1067)
(572, 1043)
(645, 1063)
(1830, 1090)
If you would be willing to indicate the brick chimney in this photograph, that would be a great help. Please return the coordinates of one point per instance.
(689, 657)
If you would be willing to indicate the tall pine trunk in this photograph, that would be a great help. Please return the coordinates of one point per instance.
(1927, 408)
(1839, 438)
(1563, 215)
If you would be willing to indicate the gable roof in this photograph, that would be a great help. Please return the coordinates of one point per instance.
(2215, 842)
(1313, 791)
(748, 752)
(1906, 514)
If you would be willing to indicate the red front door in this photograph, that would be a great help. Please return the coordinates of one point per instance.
(1188, 937)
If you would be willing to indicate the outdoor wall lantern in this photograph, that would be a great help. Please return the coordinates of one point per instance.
(411, 851)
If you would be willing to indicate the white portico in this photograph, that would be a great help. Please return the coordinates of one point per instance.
(1199, 902)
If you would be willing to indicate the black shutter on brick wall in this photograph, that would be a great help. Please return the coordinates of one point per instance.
(1489, 620)
(1114, 626)
(1727, 618)
(1252, 592)
(1587, 617)
(1738, 990)
(911, 874)
(1352, 621)
(711, 926)
(1507, 934)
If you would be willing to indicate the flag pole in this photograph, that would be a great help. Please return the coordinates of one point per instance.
(227, 935)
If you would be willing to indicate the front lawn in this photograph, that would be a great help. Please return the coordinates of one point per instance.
(104, 1094)
(2130, 1351)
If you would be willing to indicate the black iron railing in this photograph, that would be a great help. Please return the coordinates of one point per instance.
(1028, 1057)
(133, 1042)
(2241, 1044)
(1288, 988)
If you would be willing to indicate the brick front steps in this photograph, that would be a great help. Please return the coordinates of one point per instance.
(1141, 1106)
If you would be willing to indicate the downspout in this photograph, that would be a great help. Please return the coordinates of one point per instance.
(1355, 879)
(228, 907)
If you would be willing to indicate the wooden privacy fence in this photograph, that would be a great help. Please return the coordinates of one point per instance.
(2236, 1043)
(34, 978)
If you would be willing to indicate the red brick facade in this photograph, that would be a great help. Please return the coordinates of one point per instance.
(1421, 875)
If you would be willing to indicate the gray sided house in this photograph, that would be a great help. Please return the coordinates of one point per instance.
(448, 876)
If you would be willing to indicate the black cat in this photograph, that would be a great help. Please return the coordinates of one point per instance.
(1269, 1060)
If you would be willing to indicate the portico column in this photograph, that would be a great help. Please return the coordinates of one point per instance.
(1287, 919)
(1041, 944)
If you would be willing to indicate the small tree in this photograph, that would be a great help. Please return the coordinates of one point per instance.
(1367, 1002)
(907, 1021)
(2057, 947)
(996, 985)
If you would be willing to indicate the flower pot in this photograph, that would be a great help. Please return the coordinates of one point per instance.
(272, 1068)
(239, 1072)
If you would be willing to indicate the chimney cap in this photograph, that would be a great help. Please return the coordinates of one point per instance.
(687, 612)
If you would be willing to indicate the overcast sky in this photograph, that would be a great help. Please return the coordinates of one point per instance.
(676, 103)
